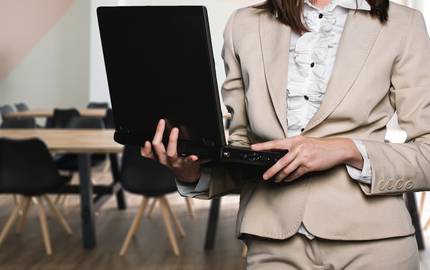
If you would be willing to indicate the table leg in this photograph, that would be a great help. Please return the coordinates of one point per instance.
(212, 223)
(412, 207)
(120, 199)
(87, 207)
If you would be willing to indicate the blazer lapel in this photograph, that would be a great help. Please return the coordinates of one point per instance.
(275, 41)
(358, 38)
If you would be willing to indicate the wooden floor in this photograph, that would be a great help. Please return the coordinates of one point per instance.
(150, 249)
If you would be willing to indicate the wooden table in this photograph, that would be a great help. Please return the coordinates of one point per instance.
(45, 113)
(83, 143)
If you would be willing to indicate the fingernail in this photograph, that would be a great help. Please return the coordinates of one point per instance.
(265, 177)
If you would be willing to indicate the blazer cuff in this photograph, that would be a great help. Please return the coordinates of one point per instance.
(199, 188)
(365, 174)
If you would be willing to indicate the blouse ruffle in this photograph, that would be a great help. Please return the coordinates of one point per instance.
(310, 62)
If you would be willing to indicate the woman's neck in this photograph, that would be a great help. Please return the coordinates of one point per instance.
(320, 3)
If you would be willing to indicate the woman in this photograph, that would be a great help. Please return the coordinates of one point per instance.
(322, 79)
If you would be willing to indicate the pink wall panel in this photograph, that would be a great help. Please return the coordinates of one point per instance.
(22, 24)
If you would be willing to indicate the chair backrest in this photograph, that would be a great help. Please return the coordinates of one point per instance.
(109, 122)
(145, 176)
(27, 167)
(17, 123)
(98, 105)
(5, 109)
(62, 117)
(21, 107)
(85, 123)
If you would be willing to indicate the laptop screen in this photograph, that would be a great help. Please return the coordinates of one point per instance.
(159, 64)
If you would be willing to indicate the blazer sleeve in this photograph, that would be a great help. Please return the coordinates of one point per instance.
(224, 180)
(398, 168)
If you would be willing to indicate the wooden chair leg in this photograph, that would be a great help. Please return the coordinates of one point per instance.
(151, 208)
(10, 221)
(57, 199)
(36, 202)
(168, 224)
(244, 251)
(175, 218)
(421, 205)
(65, 201)
(134, 227)
(106, 168)
(189, 202)
(26, 203)
(427, 224)
(58, 215)
(44, 226)
(15, 199)
(140, 214)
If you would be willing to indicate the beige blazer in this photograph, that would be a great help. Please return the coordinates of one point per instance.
(379, 69)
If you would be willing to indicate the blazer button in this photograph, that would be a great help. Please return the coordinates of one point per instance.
(382, 185)
(390, 184)
(400, 183)
(409, 185)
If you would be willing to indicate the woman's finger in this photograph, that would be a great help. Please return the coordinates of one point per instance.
(157, 143)
(276, 144)
(172, 150)
(292, 167)
(279, 165)
(159, 132)
(160, 152)
(299, 172)
(191, 158)
(146, 150)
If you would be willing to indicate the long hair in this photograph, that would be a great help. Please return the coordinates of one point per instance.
(290, 12)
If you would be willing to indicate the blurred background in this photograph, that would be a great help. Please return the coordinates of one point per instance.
(53, 86)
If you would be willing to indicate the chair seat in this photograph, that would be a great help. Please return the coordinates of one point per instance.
(145, 176)
(148, 192)
(148, 182)
(28, 189)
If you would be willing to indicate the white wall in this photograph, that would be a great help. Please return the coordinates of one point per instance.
(56, 71)
(218, 11)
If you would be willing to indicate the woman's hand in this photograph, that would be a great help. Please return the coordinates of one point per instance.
(185, 169)
(307, 154)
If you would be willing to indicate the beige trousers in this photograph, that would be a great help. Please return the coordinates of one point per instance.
(298, 252)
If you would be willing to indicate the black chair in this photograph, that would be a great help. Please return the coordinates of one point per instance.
(21, 107)
(18, 123)
(109, 122)
(98, 105)
(14, 122)
(151, 180)
(5, 109)
(62, 117)
(27, 168)
(69, 162)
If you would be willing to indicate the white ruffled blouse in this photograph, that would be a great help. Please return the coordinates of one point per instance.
(312, 58)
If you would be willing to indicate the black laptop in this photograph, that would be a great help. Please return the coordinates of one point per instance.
(159, 64)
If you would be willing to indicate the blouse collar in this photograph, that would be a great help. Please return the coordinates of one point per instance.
(349, 4)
